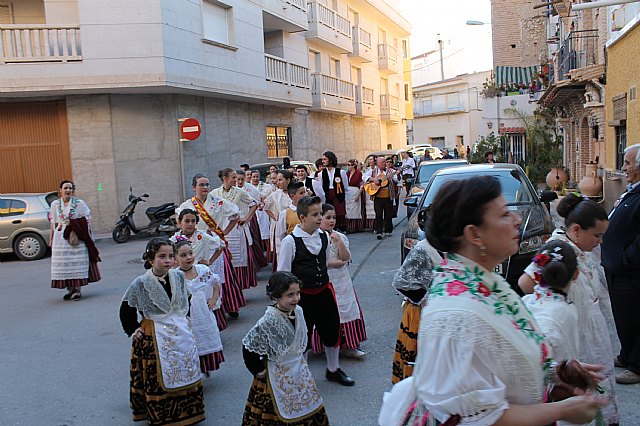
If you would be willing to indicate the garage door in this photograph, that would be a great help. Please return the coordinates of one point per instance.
(34, 146)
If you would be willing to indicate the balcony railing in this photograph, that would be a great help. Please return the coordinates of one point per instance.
(280, 71)
(300, 4)
(580, 49)
(388, 52)
(319, 13)
(39, 43)
(389, 103)
(332, 86)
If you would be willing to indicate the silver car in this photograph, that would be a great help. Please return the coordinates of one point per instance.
(24, 224)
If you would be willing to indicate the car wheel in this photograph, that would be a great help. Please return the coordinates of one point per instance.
(29, 246)
(121, 233)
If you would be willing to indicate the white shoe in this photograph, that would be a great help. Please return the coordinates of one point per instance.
(354, 353)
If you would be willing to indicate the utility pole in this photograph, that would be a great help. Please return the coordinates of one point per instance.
(441, 60)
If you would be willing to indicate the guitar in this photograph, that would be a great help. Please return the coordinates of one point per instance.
(372, 188)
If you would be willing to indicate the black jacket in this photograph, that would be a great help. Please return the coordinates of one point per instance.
(621, 242)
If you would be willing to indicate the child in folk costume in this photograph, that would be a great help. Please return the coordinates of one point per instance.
(288, 218)
(276, 202)
(207, 250)
(283, 390)
(257, 248)
(205, 297)
(412, 280)
(164, 366)
(217, 217)
(239, 237)
(265, 189)
(304, 253)
(351, 320)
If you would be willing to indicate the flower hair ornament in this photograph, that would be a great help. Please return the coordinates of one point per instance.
(542, 259)
(181, 238)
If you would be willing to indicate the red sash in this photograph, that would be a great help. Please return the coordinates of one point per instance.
(204, 215)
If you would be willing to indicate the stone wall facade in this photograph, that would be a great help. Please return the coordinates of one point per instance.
(518, 32)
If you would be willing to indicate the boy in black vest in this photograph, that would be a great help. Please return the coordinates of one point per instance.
(304, 253)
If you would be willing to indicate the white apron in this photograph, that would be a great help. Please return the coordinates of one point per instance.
(343, 287)
(177, 351)
(237, 239)
(263, 222)
(294, 389)
(354, 209)
(203, 323)
(68, 262)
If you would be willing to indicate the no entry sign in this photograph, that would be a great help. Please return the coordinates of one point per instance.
(190, 129)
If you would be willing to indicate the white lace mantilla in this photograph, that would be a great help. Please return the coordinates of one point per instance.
(147, 295)
(273, 335)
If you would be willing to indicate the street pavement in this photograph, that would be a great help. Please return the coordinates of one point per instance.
(67, 363)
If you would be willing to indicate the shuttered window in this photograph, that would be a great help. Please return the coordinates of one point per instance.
(6, 15)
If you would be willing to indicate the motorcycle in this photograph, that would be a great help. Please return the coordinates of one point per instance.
(161, 219)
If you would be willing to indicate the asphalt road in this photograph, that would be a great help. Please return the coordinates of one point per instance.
(67, 363)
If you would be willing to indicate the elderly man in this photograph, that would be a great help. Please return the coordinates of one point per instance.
(621, 261)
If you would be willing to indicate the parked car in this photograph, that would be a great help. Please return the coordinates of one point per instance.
(426, 169)
(24, 224)
(434, 152)
(536, 226)
(263, 168)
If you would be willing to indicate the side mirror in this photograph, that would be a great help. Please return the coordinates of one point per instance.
(548, 196)
(411, 202)
(145, 195)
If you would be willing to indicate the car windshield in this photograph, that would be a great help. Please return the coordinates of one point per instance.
(513, 183)
(427, 169)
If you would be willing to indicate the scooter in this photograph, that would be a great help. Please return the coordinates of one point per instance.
(161, 219)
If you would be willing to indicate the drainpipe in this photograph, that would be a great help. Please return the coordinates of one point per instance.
(601, 3)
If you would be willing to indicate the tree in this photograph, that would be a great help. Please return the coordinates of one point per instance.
(491, 143)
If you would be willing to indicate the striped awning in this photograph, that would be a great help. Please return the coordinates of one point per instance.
(506, 75)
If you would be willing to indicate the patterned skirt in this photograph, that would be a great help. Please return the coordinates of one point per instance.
(407, 343)
(220, 318)
(257, 248)
(149, 401)
(260, 410)
(211, 362)
(352, 333)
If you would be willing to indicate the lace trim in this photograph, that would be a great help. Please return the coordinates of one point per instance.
(147, 295)
(274, 337)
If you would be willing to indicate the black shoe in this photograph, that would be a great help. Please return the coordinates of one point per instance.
(379, 236)
(340, 377)
(233, 314)
(617, 363)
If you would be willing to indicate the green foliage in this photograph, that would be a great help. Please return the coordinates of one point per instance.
(491, 143)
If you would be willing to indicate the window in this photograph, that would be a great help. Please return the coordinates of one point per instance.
(278, 142)
(406, 92)
(216, 22)
(405, 49)
(426, 106)
(12, 207)
(6, 14)
(621, 144)
(437, 141)
(334, 67)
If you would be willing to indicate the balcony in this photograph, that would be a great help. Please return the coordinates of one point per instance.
(362, 47)
(365, 105)
(329, 28)
(390, 108)
(39, 43)
(286, 15)
(388, 59)
(331, 94)
(579, 50)
(287, 81)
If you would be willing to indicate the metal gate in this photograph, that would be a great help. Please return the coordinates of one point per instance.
(34, 146)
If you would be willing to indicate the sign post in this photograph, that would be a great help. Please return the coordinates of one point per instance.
(190, 130)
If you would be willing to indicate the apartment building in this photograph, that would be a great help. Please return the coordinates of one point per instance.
(94, 90)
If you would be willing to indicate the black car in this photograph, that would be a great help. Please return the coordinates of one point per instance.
(426, 169)
(536, 227)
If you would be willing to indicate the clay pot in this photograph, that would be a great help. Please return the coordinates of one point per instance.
(555, 178)
(591, 184)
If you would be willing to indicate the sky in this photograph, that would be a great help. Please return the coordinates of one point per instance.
(466, 48)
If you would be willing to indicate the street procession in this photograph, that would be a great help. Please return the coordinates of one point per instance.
(281, 213)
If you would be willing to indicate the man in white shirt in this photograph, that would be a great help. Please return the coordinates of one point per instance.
(313, 186)
(334, 183)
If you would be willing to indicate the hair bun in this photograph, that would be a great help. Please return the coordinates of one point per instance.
(568, 204)
(555, 274)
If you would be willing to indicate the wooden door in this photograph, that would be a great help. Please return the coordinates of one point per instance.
(34, 146)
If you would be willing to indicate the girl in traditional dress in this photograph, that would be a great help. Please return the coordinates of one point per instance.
(368, 209)
(482, 358)
(352, 327)
(276, 202)
(217, 216)
(239, 237)
(585, 223)
(166, 382)
(207, 250)
(257, 248)
(205, 297)
(352, 198)
(412, 280)
(556, 267)
(74, 256)
(283, 390)
(265, 189)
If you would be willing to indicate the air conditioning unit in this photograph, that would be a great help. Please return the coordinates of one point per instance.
(617, 19)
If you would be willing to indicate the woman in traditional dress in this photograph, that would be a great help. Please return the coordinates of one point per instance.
(482, 359)
(74, 256)
(585, 223)
(208, 250)
(257, 248)
(239, 237)
(166, 382)
(265, 189)
(352, 198)
(204, 287)
(283, 390)
(412, 280)
(368, 209)
(276, 202)
(352, 329)
(217, 216)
